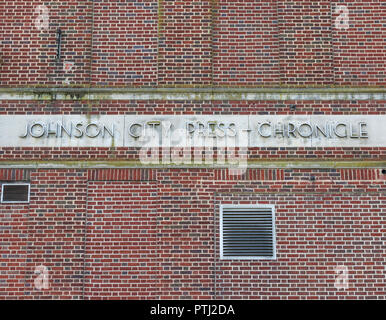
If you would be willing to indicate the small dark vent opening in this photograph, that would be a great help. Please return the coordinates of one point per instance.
(15, 193)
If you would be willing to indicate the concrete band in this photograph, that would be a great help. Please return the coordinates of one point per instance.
(264, 164)
(222, 131)
(193, 94)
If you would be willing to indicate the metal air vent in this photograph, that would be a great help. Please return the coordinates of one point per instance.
(247, 232)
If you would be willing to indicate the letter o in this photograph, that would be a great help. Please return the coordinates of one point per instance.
(95, 135)
(43, 129)
(304, 135)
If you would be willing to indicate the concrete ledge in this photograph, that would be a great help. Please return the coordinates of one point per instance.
(290, 164)
(193, 94)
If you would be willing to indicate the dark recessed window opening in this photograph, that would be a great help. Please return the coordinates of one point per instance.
(247, 232)
(15, 193)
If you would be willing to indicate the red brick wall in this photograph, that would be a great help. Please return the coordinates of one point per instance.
(85, 225)
(184, 51)
(14, 240)
(359, 51)
(246, 44)
(28, 54)
(56, 231)
(193, 43)
(125, 43)
(153, 233)
(122, 256)
(315, 233)
(305, 42)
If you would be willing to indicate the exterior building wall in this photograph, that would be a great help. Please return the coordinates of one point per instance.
(105, 225)
(193, 43)
(154, 233)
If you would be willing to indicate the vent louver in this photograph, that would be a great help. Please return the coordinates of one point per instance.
(15, 193)
(248, 232)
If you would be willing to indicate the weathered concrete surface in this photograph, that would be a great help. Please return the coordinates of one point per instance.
(193, 94)
(288, 164)
(225, 130)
